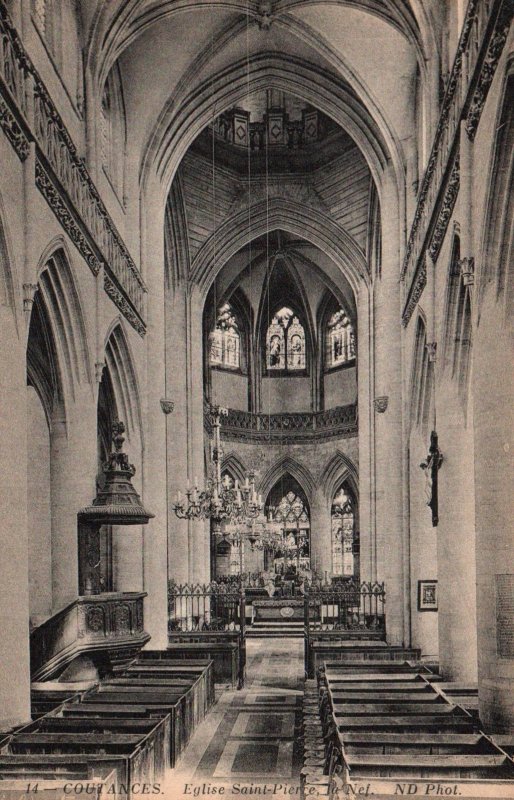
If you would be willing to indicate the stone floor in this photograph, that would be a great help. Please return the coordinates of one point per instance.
(250, 742)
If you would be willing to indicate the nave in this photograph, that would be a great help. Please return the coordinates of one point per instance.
(253, 736)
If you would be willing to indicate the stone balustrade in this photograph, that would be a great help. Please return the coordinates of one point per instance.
(481, 43)
(27, 114)
(293, 427)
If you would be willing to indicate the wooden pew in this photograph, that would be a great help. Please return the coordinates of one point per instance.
(421, 723)
(428, 767)
(92, 788)
(135, 756)
(69, 768)
(422, 743)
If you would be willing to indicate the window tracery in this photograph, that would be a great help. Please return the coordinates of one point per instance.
(285, 342)
(340, 340)
(291, 509)
(225, 341)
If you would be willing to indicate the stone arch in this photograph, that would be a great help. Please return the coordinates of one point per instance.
(421, 377)
(233, 464)
(59, 293)
(338, 469)
(291, 217)
(288, 465)
(120, 365)
(116, 26)
(497, 238)
(175, 131)
(8, 289)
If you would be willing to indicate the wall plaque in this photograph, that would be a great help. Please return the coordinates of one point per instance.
(505, 615)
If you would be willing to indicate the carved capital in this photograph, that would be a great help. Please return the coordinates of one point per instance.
(167, 406)
(432, 351)
(29, 290)
(381, 404)
(467, 270)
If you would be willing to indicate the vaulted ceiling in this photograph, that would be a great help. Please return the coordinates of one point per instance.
(357, 58)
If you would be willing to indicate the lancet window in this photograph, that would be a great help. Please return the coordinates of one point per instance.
(340, 340)
(285, 342)
(225, 342)
(343, 534)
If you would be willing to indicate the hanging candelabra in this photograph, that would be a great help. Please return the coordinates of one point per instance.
(220, 500)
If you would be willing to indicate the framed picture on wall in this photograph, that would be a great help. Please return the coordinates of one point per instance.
(427, 595)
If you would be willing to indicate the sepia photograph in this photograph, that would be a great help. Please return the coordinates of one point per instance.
(256, 399)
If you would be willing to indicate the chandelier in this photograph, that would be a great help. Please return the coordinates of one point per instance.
(220, 500)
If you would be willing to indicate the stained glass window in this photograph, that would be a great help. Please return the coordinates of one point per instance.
(285, 342)
(343, 529)
(225, 340)
(340, 340)
(290, 509)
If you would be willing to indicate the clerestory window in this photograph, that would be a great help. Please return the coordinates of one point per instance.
(285, 342)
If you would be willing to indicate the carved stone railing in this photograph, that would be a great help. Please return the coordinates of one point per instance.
(28, 114)
(108, 626)
(275, 130)
(290, 427)
(481, 43)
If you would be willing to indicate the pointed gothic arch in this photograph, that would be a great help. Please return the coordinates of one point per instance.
(422, 378)
(338, 469)
(498, 234)
(176, 240)
(233, 464)
(291, 216)
(288, 465)
(60, 294)
(8, 288)
(120, 364)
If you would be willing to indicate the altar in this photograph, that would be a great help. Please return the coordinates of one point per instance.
(286, 608)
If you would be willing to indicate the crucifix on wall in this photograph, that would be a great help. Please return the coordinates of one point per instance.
(431, 467)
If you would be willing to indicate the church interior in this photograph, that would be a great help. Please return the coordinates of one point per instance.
(256, 302)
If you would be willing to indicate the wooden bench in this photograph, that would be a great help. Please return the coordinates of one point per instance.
(70, 768)
(421, 723)
(92, 788)
(135, 758)
(224, 653)
(370, 696)
(427, 767)
(422, 743)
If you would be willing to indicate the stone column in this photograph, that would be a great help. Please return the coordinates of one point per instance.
(388, 422)
(366, 419)
(321, 540)
(154, 490)
(493, 391)
(177, 430)
(14, 575)
(72, 486)
(200, 529)
(456, 529)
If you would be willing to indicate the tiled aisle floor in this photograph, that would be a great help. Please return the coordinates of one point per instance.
(250, 742)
